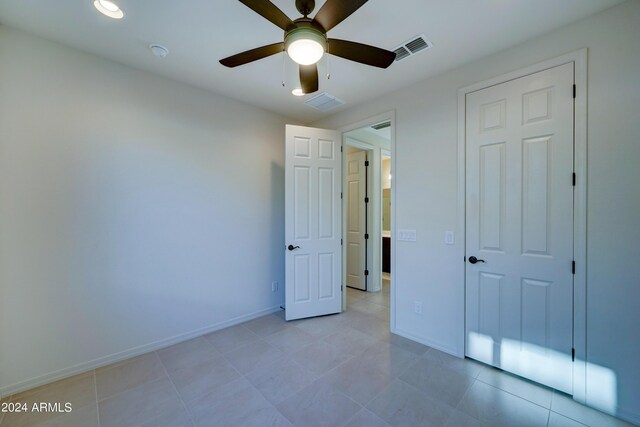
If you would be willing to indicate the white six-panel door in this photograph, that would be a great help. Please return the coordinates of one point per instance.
(313, 222)
(356, 217)
(519, 302)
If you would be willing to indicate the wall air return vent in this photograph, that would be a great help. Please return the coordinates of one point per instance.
(382, 125)
(411, 47)
(324, 102)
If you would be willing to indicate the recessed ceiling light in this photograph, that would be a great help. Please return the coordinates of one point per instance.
(108, 8)
(297, 92)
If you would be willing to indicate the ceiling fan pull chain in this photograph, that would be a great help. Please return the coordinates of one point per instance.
(328, 68)
(284, 70)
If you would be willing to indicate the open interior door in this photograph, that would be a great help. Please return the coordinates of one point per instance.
(355, 193)
(313, 222)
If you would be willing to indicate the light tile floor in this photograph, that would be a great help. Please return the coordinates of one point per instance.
(341, 370)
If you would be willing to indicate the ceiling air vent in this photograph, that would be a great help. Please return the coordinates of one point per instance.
(324, 102)
(401, 53)
(412, 47)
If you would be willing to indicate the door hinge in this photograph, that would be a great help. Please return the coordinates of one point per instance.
(574, 179)
(341, 148)
(366, 236)
(366, 272)
(573, 354)
(341, 195)
(340, 242)
(573, 267)
(341, 288)
(366, 163)
(575, 90)
(366, 200)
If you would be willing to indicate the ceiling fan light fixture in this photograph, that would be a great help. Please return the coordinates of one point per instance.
(306, 46)
(298, 92)
(108, 8)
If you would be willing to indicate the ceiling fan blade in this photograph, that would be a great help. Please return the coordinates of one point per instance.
(334, 12)
(269, 11)
(252, 55)
(358, 52)
(309, 78)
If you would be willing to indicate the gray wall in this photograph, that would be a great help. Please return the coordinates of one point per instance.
(134, 211)
(426, 179)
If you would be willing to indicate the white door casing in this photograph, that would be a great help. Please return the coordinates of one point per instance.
(519, 201)
(356, 217)
(313, 181)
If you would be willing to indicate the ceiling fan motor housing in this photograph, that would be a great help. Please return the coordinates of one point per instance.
(305, 30)
(305, 7)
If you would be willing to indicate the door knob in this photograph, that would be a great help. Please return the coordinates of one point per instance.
(474, 260)
(292, 248)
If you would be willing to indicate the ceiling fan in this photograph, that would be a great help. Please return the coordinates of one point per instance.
(305, 39)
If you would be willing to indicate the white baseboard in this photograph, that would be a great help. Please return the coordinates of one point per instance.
(631, 416)
(430, 343)
(127, 354)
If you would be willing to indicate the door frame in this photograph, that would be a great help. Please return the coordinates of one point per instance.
(579, 58)
(376, 224)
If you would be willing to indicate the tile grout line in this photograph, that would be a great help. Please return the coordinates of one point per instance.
(515, 395)
(286, 357)
(409, 365)
(111, 396)
(548, 418)
(579, 422)
(318, 378)
(224, 353)
(240, 374)
(352, 417)
(244, 376)
(462, 400)
(349, 398)
(582, 408)
(521, 397)
(497, 388)
(95, 389)
(365, 405)
(455, 408)
(275, 408)
(184, 405)
(377, 395)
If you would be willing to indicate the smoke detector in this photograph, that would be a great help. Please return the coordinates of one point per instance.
(159, 50)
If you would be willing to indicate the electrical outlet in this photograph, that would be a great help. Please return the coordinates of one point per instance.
(274, 286)
(417, 307)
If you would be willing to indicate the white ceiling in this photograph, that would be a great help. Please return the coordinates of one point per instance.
(200, 32)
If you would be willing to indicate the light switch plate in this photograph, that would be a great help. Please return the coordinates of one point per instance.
(449, 238)
(407, 235)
